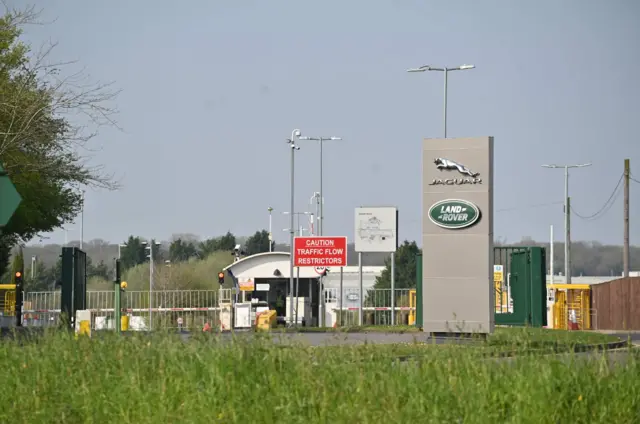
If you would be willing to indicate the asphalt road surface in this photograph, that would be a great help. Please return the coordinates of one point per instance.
(322, 339)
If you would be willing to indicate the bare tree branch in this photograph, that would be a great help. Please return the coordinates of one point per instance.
(39, 98)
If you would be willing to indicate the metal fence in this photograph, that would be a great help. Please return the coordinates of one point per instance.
(168, 309)
(192, 309)
(376, 306)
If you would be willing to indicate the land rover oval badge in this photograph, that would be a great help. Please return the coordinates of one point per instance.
(454, 214)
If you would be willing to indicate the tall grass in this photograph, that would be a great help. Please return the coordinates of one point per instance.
(164, 379)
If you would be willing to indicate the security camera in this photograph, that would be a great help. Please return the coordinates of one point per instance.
(237, 247)
(293, 146)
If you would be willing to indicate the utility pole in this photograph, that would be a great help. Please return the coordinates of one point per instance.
(625, 249)
(567, 215)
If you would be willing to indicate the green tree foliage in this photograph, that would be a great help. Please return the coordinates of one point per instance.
(44, 278)
(224, 243)
(182, 251)
(133, 253)
(257, 243)
(405, 268)
(18, 265)
(98, 270)
(39, 148)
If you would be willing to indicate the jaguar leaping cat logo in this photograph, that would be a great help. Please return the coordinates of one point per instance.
(442, 163)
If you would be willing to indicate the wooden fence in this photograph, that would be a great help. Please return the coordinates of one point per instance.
(617, 304)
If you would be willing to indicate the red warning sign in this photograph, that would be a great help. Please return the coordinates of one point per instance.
(320, 251)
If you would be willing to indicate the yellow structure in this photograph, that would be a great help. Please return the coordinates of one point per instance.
(571, 308)
(124, 323)
(266, 320)
(412, 306)
(8, 299)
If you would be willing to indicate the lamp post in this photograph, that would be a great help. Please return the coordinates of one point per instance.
(567, 222)
(82, 222)
(321, 140)
(150, 246)
(292, 231)
(120, 246)
(446, 71)
(270, 209)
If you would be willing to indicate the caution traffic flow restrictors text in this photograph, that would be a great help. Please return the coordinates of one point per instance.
(320, 251)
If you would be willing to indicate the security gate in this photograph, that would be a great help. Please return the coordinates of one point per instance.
(524, 286)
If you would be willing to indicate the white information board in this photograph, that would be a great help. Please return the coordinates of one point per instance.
(376, 229)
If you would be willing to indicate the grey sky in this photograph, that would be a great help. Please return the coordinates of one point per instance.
(211, 89)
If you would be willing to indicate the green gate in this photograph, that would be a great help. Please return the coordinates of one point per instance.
(523, 288)
(73, 291)
(525, 279)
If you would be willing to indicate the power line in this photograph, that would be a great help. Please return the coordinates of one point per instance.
(607, 205)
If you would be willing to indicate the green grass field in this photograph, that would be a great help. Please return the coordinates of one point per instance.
(163, 379)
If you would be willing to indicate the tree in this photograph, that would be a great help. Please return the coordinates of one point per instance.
(207, 247)
(43, 278)
(182, 251)
(257, 243)
(405, 265)
(225, 243)
(133, 253)
(100, 270)
(18, 265)
(38, 144)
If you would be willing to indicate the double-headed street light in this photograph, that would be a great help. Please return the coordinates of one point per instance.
(292, 144)
(446, 71)
(321, 140)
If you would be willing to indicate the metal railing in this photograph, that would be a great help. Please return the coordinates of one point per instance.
(192, 309)
(376, 306)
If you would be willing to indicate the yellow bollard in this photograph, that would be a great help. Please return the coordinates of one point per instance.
(85, 328)
(124, 323)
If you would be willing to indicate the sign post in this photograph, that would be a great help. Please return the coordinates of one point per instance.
(320, 252)
(9, 198)
(377, 231)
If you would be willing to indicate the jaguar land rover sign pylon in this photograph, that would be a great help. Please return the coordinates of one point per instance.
(457, 235)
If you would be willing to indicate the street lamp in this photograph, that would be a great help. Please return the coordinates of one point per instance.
(321, 140)
(446, 71)
(567, 222)
(82, 222)
(150, 246)
(300, 229)
(270, 209)
(292, 144)
(120, 246)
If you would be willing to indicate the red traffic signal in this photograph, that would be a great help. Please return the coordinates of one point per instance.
(221, 278)
(18, 274)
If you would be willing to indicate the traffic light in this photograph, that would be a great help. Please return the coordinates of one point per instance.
(123, 286)
(221, 278)
(18, 278)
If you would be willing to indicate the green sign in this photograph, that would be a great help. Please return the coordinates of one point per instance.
(454, 214)
(9, 198)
